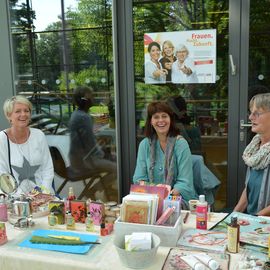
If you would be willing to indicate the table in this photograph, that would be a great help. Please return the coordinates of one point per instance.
(102, 256)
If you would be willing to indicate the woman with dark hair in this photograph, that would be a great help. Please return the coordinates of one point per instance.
(164, 156)
(154, 73)
(86, 156)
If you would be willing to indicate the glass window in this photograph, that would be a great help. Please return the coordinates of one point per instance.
(54, 53)
(206, 109)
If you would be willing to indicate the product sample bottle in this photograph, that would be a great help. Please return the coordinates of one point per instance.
(3, 209)
(70, 222)
(233, 235)
(71, 195)
(89, 223)
(201, 213)
(52, 219)
(103, 230)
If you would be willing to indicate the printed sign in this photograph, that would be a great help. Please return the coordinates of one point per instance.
(180, 57)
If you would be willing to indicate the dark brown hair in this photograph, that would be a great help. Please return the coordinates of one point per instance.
(155, 107)
(153, 43)
(79, 97)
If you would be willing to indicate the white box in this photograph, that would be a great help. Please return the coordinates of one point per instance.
(168, 235)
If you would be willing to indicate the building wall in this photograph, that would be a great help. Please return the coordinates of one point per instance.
(6, 81)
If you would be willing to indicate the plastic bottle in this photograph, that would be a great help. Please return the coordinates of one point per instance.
(71, 195)
(201, 213)
(3, 209)
(89, 223)
(233, 236)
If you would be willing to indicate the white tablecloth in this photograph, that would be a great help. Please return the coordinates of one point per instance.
(104, 256)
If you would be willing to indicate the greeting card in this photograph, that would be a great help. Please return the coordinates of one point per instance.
(162, 191)
(136, 212)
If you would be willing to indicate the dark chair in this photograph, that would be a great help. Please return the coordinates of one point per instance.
(68, 174)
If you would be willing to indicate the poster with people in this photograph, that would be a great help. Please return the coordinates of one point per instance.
(180, 57)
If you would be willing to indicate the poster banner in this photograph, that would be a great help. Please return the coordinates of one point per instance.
(180, 57)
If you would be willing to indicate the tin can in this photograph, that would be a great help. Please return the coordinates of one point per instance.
(21, 209)
(3, 234)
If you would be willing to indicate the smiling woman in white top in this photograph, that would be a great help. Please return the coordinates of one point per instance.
(30, 159)
(183, 69)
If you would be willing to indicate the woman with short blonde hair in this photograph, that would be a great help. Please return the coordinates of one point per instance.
(24, 152)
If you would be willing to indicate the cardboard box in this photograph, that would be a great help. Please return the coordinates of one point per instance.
(168, 235)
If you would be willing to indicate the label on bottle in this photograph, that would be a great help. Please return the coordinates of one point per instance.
(233, 244)
(70, 223)
(52, 220)
(201, 217)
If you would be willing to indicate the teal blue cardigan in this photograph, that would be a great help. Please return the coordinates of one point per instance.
(183, 175)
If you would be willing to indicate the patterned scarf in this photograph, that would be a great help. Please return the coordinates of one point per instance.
(256, 156)
(169, 160)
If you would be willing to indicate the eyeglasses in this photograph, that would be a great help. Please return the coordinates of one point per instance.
(257, 114)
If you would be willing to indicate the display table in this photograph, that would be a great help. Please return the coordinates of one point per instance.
(104, 256)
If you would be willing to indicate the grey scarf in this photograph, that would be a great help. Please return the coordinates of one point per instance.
(169, 160)
(256, 156)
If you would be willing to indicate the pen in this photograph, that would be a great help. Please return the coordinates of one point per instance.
(186, 217)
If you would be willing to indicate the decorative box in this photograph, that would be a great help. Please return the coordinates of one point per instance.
(58, 208)
(97, 211)
(78, 210)
(167, 234)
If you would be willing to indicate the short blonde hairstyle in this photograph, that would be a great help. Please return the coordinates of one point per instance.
(261, 101)
(181, 47)
(10, 102)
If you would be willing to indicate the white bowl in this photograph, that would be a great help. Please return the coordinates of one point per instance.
(136, 259)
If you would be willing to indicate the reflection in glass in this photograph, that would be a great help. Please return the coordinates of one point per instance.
(207, 104)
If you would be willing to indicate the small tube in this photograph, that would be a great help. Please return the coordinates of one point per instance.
(209, 261)
(193, 262)
(165, 215)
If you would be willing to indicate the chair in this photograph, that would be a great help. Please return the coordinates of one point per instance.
(205, 182)
(68, 174)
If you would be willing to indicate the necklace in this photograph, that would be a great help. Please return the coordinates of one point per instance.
(22, 141)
